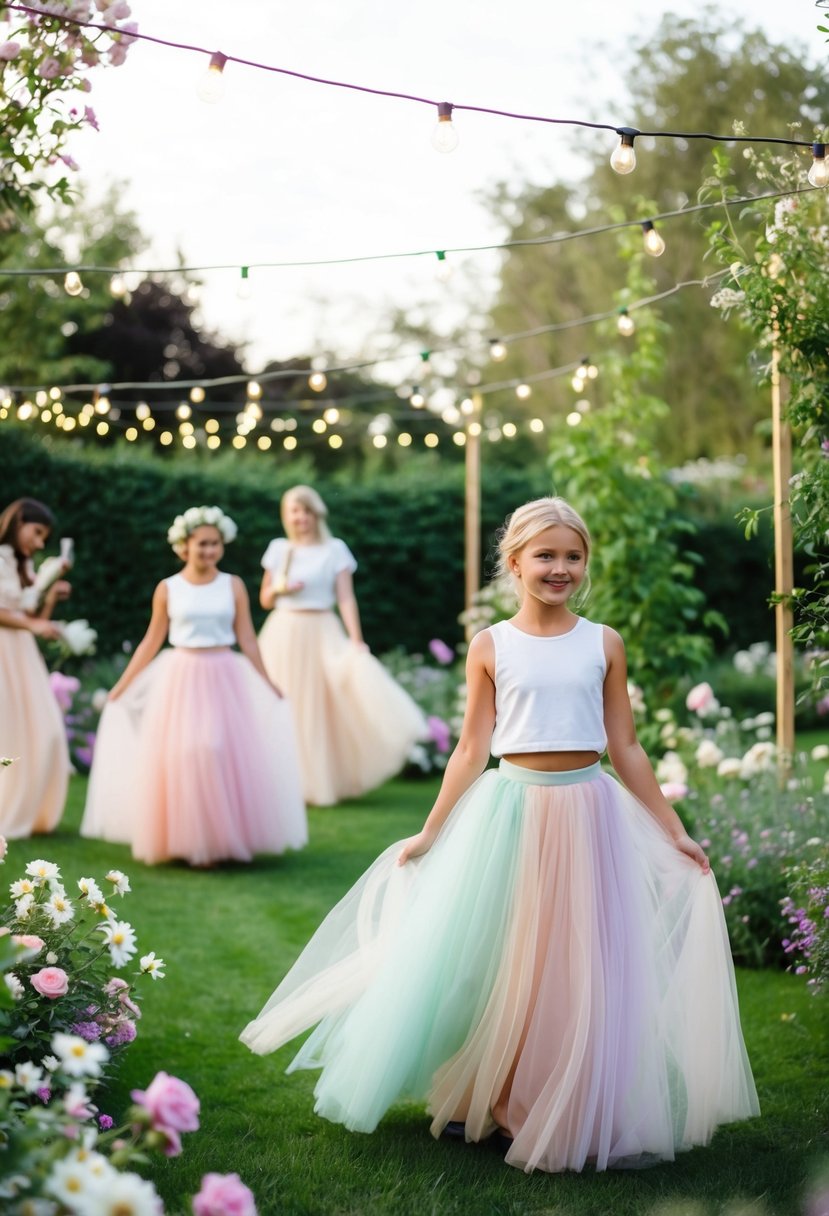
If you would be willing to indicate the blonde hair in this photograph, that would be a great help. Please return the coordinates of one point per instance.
(526, 522)
(309, 498)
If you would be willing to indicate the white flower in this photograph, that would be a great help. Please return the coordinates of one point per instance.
(664, 715)
(51, 958)
(50, 1063)
(23, 886)
(79, 637)
(826, 782)
(58, 908)
(28, 1076)
(196, 517)
(153, 966)
(42, 871)
(99, 699)
(820, 752)
(122, 1194)
(14, 985)
(120, 938)
(119, 881)
(77, 1057)
(760, 758)
(727, 298)
(701, 700)
(671, 769)
(708, 754)
(72, 1179)
(764, 719)
(6, 1078)
(89, 888)
(636, 697)
(76, 1102)
(23, 907)
(731, 766)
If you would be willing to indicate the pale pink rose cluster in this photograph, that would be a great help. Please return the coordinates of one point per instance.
(51, 982)
(171, 1107)
(701, 700)
(223, 1195)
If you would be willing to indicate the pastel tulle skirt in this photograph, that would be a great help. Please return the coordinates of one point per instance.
(355, 724)
(197, 760)
(32, 733)
(553, 966)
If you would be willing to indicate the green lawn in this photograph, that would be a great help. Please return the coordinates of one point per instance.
(229, 934)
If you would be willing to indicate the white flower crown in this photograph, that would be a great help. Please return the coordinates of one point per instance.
(195, 517)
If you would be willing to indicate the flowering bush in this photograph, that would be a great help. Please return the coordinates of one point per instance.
(439, 691)
(806, 909)
(61, 980)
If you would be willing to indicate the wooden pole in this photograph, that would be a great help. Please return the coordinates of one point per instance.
(472, 511)
(783, 571)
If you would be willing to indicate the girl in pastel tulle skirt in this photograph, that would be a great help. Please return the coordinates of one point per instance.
(356, 725)
(32, 733)
(196, 756)
(547, 960)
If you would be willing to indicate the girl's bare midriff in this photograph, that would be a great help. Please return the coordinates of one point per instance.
(552, 762)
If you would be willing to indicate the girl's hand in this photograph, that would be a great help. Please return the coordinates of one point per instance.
(691, 849)
(287, 588)
(415, 846)
(61, 590)
(41, 627)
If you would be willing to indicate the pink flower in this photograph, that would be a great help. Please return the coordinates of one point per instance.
(29, 941)
(117, 55)
(121, 989)
(223, 1195)
(674, 790)
(91, 118)
(439, 732)
(170, 1103)
(50, 982)
(440, 651)
(49, 68)
(700, 699)
(64, 688)
(9, 50)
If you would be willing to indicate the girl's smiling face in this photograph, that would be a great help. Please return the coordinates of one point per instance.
(205, 546)
(552, 565)
(300, 521)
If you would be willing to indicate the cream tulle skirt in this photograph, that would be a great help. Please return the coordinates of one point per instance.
(553, 961)
(355, 724)
(32, 733)
(197, 760)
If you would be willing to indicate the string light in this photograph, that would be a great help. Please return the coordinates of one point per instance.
(318, 381)
(417, 399)
(254, 390)
(523, 391)
(654, 245)
(623, 157)
(211, 87)
(72, 283)
(819, 173)
(197, 394)
(574, 418)
(243, 290)
(444, 136)
(497, 350)
(444, 271)
(536, 426)
(625, 325)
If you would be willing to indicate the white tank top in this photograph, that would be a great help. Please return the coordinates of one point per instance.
(549, 690)
(201, 614)
(315, 566)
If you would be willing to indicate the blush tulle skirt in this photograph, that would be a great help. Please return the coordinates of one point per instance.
(32, 734)
(356, 726)
(197, 760)
(552, 966)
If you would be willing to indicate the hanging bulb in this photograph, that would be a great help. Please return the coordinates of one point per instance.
(254, 390)
(819, 172)
(444, 136)
(444, 270)
(523, 391)
(625, 324)
(623, 158)
(72, 284)
(318, 381)
(243, 288)
(654, 245)
(417, 399)
(212, 86)
(497, 350)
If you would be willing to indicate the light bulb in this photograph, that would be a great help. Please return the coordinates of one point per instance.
(254, 390)
(819, 172)
(197, 394)
(523, 391)
(444, 270)
(444, 136)
(497, 350)
(654, 245)
(72, 284)
(623, 157)
(417, 399)
(625, 324)
(212, 86)
(318, 381)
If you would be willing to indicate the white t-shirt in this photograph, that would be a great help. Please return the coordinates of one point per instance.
(201, 614)
(315, 566)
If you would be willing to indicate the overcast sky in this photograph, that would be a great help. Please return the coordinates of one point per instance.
(282, 169)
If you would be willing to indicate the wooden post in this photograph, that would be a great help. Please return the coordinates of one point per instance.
(783, 572)
(472, 510)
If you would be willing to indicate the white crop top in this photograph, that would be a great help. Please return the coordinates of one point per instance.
(201, 614)
(549, 690)
(315, 566)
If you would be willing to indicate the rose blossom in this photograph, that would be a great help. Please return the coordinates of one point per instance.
(674, 790)
(29, 941)
(9, 50)
(223, 1195)
(50, 982)
(701, 699)
(49, 68)
(170, 1103)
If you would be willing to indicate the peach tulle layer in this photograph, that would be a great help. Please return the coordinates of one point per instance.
(355, 724)
(32, 733)
(553, 966)
(197, 760)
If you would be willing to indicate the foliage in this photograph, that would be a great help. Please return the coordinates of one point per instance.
(44, 66)
(806, 909)
(780, 293)
(438, 689)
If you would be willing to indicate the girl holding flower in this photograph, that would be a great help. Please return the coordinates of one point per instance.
(33, 790)
(195, 756)
(356, 725)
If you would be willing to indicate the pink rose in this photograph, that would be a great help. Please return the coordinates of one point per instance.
(674, 790)
(50, 982)
(223, 1195)
(700, 699)
(170, 1103)
(9, 50)
(49, 68)
(29, 941)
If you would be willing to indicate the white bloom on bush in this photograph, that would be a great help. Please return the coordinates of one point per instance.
(50, 1063)
(764, 719)
(701, 700)
(820, 751)
(23, 886)
(727, 298)
(77, 1057)
(637, 698)
(152, 966)
(120, 882)
(14, 986)
(674, 790)
(78, 637)
(73, 1179)
(42, 871)
(6, 1078)
(23, 907)
(670, 768)
(28, 1076)
(826, 782)
(120, 1194)
(89, 888)
(708, 755)
(99, 699)
(664, 715)
(76, 1102)
(731, 766)
(58, 908)
(120, 937)
(761, 758)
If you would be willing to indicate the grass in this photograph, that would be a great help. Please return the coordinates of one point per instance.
(229, 934)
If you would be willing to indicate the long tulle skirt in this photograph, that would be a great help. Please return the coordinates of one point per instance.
(197, 760)
(32, 734)
(355, 724)
(553, 962)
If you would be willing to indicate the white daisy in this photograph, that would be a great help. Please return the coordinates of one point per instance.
(58, 908)
(72, 1179)
(23, 886)
(77, 1057)
(14, 985)
(28, 1076)
(42, 871)
(153, 966)
(123, 1194)
(89, 888)
(120, 938)
(119, 881)
(6, 1078)
(23, 907)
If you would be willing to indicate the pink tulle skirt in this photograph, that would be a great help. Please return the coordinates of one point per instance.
(32, 733)
(197, 760)
(355, 724)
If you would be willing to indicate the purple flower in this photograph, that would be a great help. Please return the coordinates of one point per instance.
(90, 1031)
(439, 733)
(64, 688)
(440, 651)
(124, 1032)
(105, 1122)
(44, 1093)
